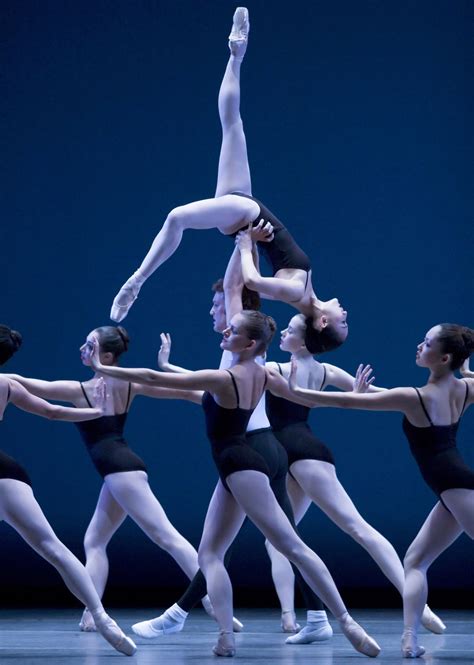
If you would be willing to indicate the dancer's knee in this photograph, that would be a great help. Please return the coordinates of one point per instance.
(208, 557)
(176, 219)
(52, 550)
(94, 543)
(415, 560)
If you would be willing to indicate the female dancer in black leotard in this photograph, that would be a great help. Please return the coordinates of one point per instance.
(261, 439)
(19, 508)
(313, 477)
(125, 490)
(233, 209)
(432, 415)
(243, 488)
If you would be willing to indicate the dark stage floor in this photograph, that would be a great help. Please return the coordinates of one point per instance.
(38, 636)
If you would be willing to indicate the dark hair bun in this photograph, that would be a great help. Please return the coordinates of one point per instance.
(271, 324)
(124, 336)
(468, 339)
(17, 339)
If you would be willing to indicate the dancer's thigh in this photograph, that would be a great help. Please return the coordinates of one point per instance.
(438, 532)
(461, 504)
(20, 510)
(227, 213)
(223, 521)
(107, 517)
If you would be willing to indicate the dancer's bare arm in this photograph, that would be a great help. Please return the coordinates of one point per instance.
(465, 370)
(164, 357)
(24, 400)
(205, 379)
(395, 399)
(339, 378)
(275, 288)
(66, 391)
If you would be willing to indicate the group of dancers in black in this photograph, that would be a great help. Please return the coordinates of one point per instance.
(270, 464)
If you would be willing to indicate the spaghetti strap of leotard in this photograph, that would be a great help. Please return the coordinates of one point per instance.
(465, 398)
(235, 387)
(324, 378)
(279, 368)
(128, 396)
(423, 406)
(8, 393)
(85, 395)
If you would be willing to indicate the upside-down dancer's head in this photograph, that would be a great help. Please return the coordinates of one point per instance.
(10, 342)
(326, 328)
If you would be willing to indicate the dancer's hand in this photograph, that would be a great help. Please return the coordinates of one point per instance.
(165, 350)
(363, 380)
(263, 232)
(243, 240)
(94, 354)
(465, 369)
(99, 395)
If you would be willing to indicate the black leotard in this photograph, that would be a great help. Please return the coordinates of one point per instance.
(9, 468)
(282, 251)
(226, 432)
(290, 426)
(435, 451)
(105, 443)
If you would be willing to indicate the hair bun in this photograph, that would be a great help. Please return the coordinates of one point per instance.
(16, 339)
(271, 323)
(468, 339)
(124, 336)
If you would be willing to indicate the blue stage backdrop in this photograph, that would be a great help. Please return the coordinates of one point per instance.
(359, 126)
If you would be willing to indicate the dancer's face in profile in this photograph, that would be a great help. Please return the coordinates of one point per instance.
(217, 312)
(331, 313)
(86, 349)
(292, 338)
(429, 352)
(234, 337)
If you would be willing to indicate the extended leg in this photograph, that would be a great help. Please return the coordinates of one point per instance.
(438, 532)
(227, 214)
(223, 521)
(19, 508)
(234, 172)
(131, 490)
(107, 518)
(252, 491)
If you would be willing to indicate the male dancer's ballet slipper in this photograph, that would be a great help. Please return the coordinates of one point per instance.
(288, 622)
(410, 648)
(238, 37)
(87, 624)
(110, 631)
(357, 636)
(432, 622)
(225, 644)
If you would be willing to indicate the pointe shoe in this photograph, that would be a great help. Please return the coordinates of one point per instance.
(87, 624)
(111, 632)
(239, 34)
(288, 622)
(237, 625)
(410, 648)
(359, 639)
(124, 300)
(225, 644)
(432, 622)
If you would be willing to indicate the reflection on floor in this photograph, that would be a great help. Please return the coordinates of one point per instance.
(38, 636)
